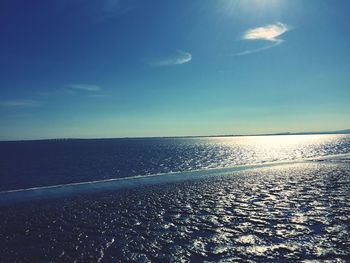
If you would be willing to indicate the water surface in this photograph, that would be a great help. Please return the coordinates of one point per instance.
(44, 163)
(289, 213)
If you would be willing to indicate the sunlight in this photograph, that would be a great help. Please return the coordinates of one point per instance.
(277, 147)
(249, 6)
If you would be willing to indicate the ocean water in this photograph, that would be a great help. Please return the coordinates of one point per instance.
(29, 164)
(290, 213)
(244, 199)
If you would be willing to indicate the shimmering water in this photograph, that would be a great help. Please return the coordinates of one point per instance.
(292, 213)
(296, 211)
(44, 163)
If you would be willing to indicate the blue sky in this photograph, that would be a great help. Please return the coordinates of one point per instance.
(125, 68)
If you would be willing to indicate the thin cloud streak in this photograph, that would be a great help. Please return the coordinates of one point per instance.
(252, 51)
(270, 33)
(84, 87)
(181, 57)
(20, 104)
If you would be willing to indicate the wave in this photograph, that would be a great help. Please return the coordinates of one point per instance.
(45, 192)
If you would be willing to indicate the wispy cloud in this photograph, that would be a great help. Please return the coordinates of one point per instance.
(256, 50)
(20, 104)
(181, 57)
(270, 33)
(84, 87)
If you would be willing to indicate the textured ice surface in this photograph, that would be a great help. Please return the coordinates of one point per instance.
(284, 213)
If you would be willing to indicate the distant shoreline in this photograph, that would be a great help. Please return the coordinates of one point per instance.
(189, 136)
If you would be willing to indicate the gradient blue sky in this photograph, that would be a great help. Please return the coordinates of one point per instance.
(124, 68)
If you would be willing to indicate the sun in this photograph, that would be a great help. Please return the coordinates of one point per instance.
(250, 6)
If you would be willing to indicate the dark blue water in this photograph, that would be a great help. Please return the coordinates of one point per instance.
(294, 211)
(298, 212)
(43, 163)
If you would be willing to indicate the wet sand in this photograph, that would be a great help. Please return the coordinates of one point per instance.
(286, 213)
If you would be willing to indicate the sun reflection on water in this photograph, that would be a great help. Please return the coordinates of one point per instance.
(280, 147)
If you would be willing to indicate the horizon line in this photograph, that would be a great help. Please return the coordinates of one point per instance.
(343, 131)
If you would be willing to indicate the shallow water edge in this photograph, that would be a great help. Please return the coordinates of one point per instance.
(56, 191)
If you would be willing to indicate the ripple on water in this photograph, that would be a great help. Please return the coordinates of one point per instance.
(287, 213)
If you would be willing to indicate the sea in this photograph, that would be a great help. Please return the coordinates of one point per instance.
(278, 198)
(26, 164)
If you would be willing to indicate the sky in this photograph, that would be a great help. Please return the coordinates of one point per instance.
(134, 68)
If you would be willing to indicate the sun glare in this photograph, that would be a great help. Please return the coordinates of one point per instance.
(251, 6)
